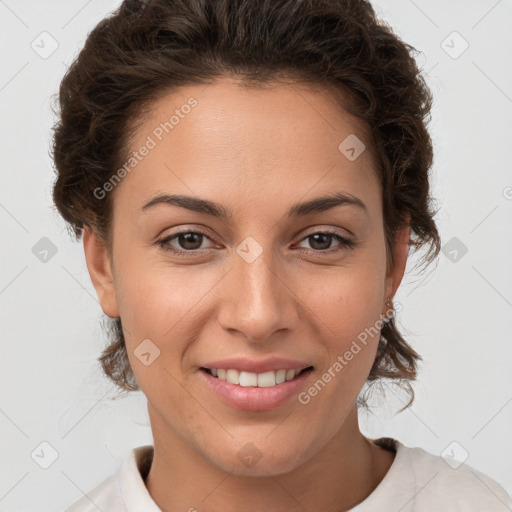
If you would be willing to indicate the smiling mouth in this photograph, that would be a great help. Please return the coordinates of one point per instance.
(249, 379)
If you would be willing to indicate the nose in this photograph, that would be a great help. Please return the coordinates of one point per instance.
(257, 301)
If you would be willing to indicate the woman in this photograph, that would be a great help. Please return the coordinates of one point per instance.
(248, 176)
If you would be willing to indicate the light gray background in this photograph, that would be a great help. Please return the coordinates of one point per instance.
(458, 315)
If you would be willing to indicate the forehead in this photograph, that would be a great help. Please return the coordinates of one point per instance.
(249, 142)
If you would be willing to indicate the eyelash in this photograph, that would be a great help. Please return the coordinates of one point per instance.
(345, 243)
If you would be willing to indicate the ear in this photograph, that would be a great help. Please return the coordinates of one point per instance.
(100, 272)
(401, 250)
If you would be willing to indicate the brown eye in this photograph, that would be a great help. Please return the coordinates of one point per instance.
(189, 240)
(321, 241)
(186, 242)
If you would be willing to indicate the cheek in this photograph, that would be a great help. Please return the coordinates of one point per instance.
(160, 307)
(156, 303)
(347, 306)
(164, 304)
(347, 300)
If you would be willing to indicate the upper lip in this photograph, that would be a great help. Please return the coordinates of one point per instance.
(254, 366)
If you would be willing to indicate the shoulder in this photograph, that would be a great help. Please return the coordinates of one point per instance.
(124, 490)
(106, 496)
(442, 483)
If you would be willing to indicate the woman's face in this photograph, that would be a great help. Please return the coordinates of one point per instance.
(254, 284)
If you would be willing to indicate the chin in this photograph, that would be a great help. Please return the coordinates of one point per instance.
(260, 460)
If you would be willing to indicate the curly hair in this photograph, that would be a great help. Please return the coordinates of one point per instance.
(145, 49)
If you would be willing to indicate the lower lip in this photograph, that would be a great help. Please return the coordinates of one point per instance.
(253, 398)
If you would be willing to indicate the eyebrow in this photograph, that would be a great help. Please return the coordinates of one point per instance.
(318, 205)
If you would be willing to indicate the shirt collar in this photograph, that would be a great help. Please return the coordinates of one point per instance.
(132, 472)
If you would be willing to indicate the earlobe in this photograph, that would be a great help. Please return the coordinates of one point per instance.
(100, 272)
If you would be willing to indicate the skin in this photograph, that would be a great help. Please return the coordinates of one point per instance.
(256, 152)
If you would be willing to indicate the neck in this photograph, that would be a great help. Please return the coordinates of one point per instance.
(337, 477)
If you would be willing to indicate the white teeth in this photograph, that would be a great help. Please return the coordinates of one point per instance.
(280, 376)
(290, 374)
(247, 379)
(233, 376)
(267, 379)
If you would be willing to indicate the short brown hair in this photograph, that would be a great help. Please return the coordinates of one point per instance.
(145, 49)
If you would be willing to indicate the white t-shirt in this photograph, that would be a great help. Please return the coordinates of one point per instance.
(416, 481)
